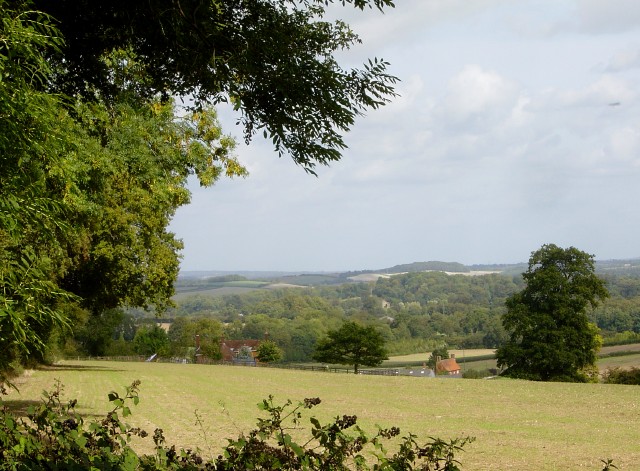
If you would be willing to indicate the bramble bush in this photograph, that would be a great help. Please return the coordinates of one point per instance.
(54, 436)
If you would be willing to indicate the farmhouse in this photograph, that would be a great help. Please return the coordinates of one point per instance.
(239, 350)
(448, 366)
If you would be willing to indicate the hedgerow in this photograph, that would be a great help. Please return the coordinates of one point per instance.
(621, 376)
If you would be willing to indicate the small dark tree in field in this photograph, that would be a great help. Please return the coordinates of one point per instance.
(268, 352)
(352, 344)
(550, 336)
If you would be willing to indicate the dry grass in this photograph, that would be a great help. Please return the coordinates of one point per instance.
(518, 425)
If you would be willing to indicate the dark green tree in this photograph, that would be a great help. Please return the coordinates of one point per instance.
(269, 352)
(33, 226)
(98, 333)
(550, 336)
(272, 59)
(440, 352)
(352, 344)
(87, 190)
(182, 336)
(94, 156)
(150, 340)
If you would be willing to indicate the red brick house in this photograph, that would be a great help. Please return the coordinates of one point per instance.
(448, 366)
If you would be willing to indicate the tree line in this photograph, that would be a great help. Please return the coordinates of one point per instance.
(413, 312)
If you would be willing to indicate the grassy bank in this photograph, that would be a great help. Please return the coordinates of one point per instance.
(518, 425)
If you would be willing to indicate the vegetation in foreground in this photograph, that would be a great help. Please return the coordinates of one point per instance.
(529, 426)
(54, 436)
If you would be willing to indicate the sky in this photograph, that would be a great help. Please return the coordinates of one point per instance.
(517, 125)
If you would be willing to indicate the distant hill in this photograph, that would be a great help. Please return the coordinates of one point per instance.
(203, 280)
(453, 267)
(630, 267)
(248, 274)
(414, 267)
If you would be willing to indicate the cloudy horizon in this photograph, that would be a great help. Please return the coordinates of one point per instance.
(517, 124)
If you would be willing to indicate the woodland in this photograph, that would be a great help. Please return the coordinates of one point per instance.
(414, 312)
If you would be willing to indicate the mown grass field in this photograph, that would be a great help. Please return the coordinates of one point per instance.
(518, 425)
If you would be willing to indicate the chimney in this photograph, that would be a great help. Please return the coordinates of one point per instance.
(453, 356)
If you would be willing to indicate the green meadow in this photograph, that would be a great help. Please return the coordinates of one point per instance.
(518, 425)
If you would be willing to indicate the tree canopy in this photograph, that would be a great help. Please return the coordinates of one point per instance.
(352, 344)
(272, 59)
(550, 336)
(268, 352)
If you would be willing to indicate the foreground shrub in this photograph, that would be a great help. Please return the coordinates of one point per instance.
(53, 436)
(472, 373)
(622, 376)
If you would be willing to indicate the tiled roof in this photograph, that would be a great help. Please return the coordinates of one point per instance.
(449, 365)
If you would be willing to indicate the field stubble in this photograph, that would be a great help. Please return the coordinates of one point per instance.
(518, 425)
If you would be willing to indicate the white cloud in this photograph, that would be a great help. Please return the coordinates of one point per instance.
(476, 99)
(624, 144)
(502, 140)
(606, 90)
(608, 16)
(624, 60)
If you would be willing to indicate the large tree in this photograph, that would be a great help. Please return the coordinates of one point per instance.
(272, 59)
(550, 336)
(87, 189)
(184, 331)
(33, 133)
(352, 344)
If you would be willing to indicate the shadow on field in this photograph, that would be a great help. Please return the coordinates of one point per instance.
(76, 367)
(18, 407)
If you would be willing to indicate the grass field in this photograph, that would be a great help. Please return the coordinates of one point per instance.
(626, 361)
(219, 291)
(518, 425)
